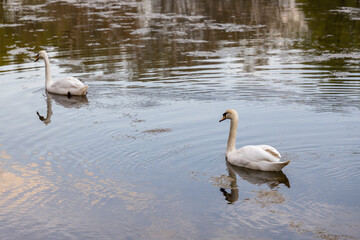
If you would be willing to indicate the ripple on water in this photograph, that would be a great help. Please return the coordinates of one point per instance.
(53, 185)
(269, 211)
(118, 164)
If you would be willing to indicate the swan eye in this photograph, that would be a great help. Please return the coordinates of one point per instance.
(224, 115)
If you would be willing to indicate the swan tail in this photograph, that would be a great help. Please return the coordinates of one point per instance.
(280, 165)
(84, 90)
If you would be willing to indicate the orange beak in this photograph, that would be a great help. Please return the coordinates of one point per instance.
(222, 119)
(37, 58)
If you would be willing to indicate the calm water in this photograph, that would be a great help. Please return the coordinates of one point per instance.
(142, 156)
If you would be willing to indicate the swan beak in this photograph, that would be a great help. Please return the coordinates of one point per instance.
(37, 58)
(222, 119)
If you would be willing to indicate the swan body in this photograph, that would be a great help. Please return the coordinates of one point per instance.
(256, 157)
(66, 86)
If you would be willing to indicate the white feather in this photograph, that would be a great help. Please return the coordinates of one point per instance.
(62, 86)
(260, 157)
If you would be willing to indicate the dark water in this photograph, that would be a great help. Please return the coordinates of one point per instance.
(142, 156)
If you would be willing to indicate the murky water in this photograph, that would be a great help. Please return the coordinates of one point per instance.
(142, 156)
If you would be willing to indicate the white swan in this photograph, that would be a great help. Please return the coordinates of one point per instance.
(67, 86)
(260, 157)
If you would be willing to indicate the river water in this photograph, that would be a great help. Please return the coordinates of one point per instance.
(142, 155)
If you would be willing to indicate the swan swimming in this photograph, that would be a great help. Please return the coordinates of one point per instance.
(259, 157)
(66, 86)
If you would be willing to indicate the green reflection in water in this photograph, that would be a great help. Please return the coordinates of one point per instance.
(162, 34)
(334, 25)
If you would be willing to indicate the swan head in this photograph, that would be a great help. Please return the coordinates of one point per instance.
(229, 114)
(41, 54)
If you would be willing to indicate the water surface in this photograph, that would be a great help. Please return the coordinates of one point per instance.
(142, 155)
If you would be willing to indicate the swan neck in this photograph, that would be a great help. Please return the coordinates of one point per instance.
(232, 135)
(47, 72)
(49, 111)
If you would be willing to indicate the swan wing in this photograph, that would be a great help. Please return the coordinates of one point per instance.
(69, 84)
(258, 153)
(270, 150)
(268, 166)
(257, 158)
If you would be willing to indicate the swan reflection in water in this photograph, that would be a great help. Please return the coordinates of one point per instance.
(272, 179)
(65, 101)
